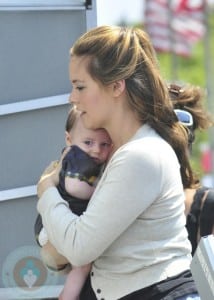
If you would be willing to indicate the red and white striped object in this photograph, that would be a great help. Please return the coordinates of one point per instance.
(175, 25)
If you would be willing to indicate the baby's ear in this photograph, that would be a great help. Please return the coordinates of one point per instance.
(68, 138)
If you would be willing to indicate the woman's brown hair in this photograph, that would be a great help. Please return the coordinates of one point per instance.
(192, 99)
(117, 53)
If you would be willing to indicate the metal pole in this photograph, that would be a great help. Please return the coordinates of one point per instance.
(172, 40)
(209, 72)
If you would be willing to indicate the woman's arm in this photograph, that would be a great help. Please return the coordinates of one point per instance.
(116, 203)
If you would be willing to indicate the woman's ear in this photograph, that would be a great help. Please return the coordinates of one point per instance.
(119, 87)
(68, 140)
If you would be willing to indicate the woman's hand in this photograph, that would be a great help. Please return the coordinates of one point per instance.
(50, 176)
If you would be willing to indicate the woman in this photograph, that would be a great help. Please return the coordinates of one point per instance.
(133, 230)
(188, 101)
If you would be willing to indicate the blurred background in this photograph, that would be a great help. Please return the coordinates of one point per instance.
(182, 32)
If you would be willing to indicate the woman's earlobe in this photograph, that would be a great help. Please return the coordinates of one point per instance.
(119, 87)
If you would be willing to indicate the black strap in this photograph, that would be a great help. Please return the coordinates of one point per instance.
(193, 218)
(207, 214)
(201, 215)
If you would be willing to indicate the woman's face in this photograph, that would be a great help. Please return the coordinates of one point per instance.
(90, 97)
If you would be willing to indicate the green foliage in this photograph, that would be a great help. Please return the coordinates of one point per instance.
(188, 70)
(184, 69)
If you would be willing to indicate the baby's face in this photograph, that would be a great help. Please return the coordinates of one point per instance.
(96, 143)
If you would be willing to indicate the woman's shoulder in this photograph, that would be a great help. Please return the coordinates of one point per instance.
(147, 137)
(146, 151)
(148, 143)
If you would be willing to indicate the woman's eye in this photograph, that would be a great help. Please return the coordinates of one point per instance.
(79, 88)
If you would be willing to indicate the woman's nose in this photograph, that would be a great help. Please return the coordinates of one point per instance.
(72, 98)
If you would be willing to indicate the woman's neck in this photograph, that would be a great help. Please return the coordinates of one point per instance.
(122, 128)
(123, 134)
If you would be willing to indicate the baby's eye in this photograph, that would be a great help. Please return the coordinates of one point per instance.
(88, 143)
(105, 145)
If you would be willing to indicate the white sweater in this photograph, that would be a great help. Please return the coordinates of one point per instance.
(134, 227)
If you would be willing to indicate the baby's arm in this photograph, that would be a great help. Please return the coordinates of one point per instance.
(74, 283)
(78, 188)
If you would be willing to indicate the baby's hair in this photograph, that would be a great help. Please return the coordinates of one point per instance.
(71, 119)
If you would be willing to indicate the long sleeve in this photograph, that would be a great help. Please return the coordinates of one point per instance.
(134, 219)
(117, 202)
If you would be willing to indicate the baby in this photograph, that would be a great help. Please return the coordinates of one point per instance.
(81, 168)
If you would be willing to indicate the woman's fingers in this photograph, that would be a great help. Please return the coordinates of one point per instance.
(50, 176)
(57, 164)
(65, 151)
(53, 165)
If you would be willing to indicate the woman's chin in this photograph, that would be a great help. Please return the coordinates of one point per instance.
(83, 116)
(87, 121)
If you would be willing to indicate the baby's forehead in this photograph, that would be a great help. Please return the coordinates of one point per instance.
(97, 133)
(103, 132)
(79, 129)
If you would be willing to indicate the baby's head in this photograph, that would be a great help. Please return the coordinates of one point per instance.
(96, 143)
